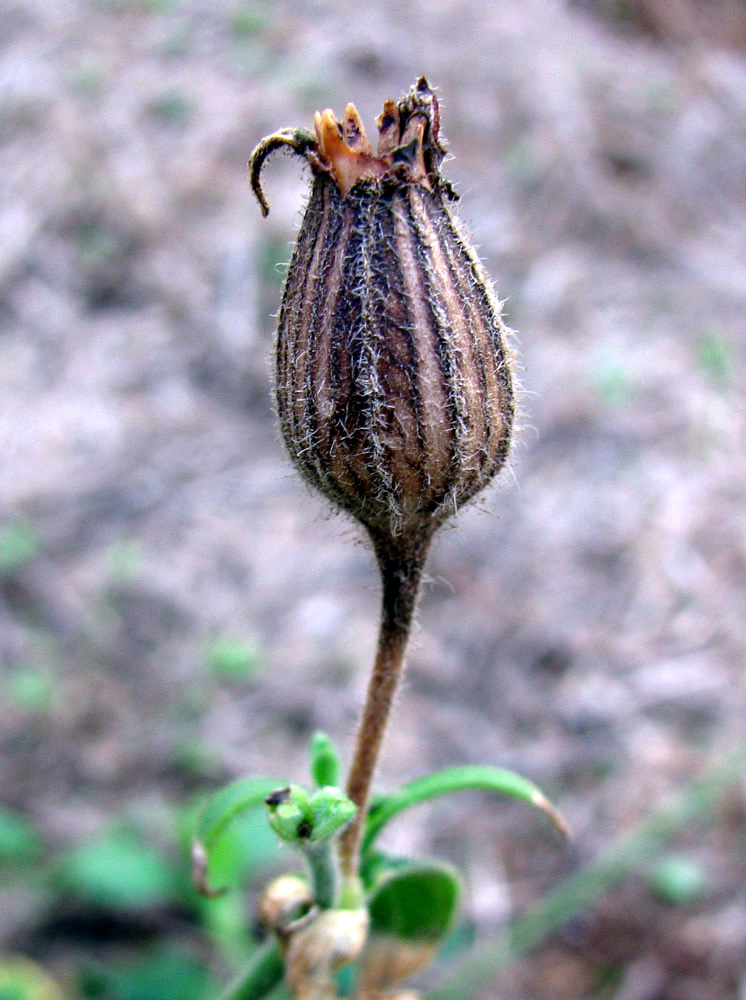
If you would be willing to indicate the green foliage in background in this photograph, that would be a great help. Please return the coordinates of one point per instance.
(19, 840)
(18, 544)
(233, 659)
(119, 869)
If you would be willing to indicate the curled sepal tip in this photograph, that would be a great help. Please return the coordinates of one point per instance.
(218, 813)
(199, 872)
(299, 141)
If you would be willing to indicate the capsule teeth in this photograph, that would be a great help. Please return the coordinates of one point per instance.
(410, 152)
(354, 132)
(389, 131)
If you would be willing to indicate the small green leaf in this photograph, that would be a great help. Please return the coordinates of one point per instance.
(325, 764)
(228, 802)
(125, 559)
(172, 107)
(613, 382)
(119, 870)
(244, 848)
(457, 779)
(166, 972)
(416, 903)
(233, 659)
(224, 806)
(715, 357)
(29, 689)
(331, 811)
(18, 543)
(22, 979)
(249, 21)
(678, 880)
(19, 841)
(375, 864)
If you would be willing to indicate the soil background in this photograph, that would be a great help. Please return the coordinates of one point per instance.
(582, 623)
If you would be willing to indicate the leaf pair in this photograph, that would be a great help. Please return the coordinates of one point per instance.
(247, 793)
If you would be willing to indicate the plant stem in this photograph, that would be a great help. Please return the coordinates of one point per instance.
(323, 864)
(401, 562)
(264, 973)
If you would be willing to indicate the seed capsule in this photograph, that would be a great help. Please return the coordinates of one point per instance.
(393, 380)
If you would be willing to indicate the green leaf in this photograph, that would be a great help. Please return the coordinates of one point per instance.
(167, 973)
(233, 659)
(678, 880)
(243, 849)
(19, 840)
(375, 864)
(248, 21)
(457, 779)
(330, 811)
(119, 870)
(224, 806)
(325, 764)
(29, 689)
(227, 803)
(715, 356)
(18, 543)
(416, 903)
(22, 979)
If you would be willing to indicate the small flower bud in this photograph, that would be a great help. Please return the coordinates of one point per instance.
(393, 378)
(298, 818)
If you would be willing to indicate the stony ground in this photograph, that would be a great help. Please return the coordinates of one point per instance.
(583, 623)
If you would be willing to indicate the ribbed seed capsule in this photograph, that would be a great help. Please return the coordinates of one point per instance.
(394, 388)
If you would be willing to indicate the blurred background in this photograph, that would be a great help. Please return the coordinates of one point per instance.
(176, 610)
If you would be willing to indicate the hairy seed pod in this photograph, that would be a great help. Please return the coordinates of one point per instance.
(393, 378)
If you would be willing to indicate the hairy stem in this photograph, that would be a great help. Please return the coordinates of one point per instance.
(401, 562)
(322, 861)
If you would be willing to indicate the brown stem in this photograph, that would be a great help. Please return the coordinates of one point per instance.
(401, 562)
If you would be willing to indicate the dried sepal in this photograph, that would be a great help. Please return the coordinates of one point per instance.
(299, 141)
(387, 960)
(286, 905)
(200, 878)
(335, 938)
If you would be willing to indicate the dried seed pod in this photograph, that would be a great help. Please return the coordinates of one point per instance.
(393, 378)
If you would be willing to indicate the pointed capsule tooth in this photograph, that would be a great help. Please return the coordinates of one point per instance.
(410, 152)
(354, 131)
(389, 131)
(331, 142)
(435, 123)
(327, 129)
(348, 165)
